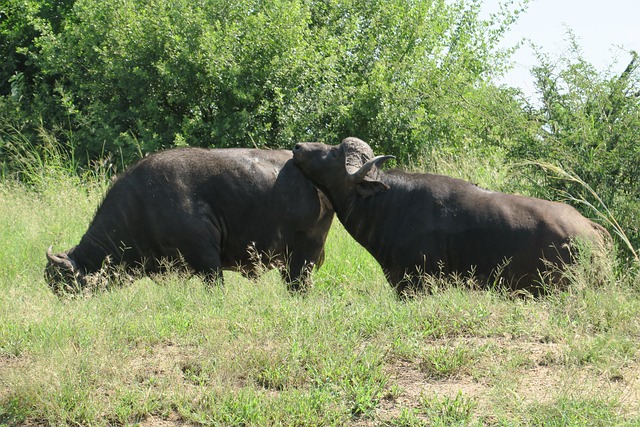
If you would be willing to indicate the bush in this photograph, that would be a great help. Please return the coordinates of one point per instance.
(588, 124)
(131, 76)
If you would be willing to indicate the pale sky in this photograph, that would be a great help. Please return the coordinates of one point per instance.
(606, 31)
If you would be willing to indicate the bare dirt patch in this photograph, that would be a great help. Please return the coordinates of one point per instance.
(529, 372)
(173, 420)
(505, 372)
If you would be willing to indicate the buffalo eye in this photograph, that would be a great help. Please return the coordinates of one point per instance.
(334, 153)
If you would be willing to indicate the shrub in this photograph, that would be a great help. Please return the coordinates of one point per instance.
(588, 124)
(131, 76)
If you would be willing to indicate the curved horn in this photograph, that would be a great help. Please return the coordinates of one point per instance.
(61, 261)
(361, 173)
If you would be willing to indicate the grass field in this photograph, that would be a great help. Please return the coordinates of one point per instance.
(168, 351)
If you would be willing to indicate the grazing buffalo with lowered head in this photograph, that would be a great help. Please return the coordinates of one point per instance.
(421, 223)
(211, 209)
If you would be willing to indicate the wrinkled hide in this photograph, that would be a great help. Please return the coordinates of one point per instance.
(211, 209)
(417, 224)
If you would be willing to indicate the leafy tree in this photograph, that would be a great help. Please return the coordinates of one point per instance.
(589, 126)
(133, 76)
(23, 97)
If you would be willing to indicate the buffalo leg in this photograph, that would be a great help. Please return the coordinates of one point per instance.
(300, 263)
(300, 279)
(207, 264)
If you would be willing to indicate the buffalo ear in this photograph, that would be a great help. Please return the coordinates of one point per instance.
(369, 188)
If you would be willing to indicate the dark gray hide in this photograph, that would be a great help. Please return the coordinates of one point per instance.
(421, 223)
(206, 207)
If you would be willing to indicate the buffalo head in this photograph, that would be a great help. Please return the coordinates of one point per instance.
(341, 169)
(62, 273)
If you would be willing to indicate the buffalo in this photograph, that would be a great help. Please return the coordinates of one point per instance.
(208, 210)
(423, 224)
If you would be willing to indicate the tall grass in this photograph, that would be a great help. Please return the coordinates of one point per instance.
(348, 353)
(598, 208)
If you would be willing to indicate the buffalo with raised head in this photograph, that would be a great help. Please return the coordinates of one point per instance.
(211, 209)
(415, 224)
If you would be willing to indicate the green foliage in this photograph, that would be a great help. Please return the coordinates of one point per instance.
(587, 136)
(130, 76)
(24, 85)
(20, 24)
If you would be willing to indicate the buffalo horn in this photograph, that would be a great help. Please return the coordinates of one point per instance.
(61, 261)
(360, 174)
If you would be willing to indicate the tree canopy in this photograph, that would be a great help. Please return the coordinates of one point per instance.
(137, 76)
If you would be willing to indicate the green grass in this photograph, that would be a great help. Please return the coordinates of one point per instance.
(348, 353)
